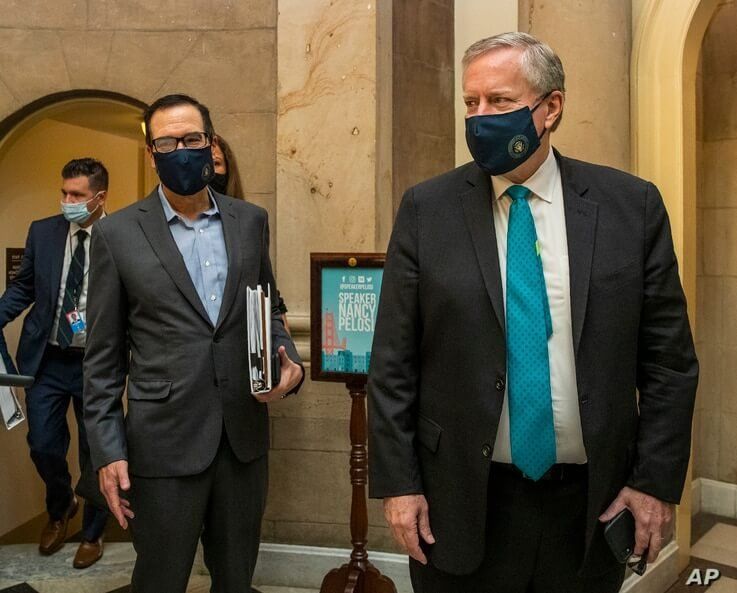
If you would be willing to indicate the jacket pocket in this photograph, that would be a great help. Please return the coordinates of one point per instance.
(148, 390)
(428, 433)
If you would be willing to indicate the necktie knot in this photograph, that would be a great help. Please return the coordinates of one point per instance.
(81, 236)
(518, 192)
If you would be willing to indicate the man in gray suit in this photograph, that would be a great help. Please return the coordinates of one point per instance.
(168, 311)
(527, 297)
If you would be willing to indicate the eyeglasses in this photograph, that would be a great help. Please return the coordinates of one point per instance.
(191, 141)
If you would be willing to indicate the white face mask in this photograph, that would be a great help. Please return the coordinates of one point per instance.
(78, 212)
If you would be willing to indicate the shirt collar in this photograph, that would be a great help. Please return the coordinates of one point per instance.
(171, 214)
(74, 227)
(541, 183)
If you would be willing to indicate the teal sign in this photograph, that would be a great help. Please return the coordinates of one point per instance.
(350, 301)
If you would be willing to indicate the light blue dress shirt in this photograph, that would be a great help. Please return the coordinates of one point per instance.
(202, 245)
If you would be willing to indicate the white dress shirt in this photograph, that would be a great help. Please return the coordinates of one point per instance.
(79, 339)
(546, 204)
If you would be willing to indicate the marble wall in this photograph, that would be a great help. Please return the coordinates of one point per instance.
(594, 41)
(223, 52)
(353, 76)
(475, 20)
(334, 187)
(715, 424)
(423, 94)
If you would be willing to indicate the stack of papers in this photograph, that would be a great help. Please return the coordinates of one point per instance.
(260, 360)
(10, 410)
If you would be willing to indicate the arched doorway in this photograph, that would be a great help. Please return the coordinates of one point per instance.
(35, 143)
(665, 54)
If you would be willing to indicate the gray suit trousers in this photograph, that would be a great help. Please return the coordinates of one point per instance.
(223, 506)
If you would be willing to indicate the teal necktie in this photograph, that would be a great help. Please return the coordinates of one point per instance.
(528, 328)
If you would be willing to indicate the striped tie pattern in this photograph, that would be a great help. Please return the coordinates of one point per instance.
(72, 291)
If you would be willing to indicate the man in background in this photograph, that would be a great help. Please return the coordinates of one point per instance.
(54, 278)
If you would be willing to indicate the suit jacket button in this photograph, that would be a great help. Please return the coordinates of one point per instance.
(500, 383)
(486, 450)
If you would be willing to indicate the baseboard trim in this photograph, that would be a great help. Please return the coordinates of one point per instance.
(305, 566)
(714, 497)
(29, 531)
(695, 496)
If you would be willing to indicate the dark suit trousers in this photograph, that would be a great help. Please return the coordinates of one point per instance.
(535, 544)
(59, 380)
(223, 505)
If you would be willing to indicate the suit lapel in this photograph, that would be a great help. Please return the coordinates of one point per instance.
(581, 216)
(232, 233)
(156, 228)
(59, 245)
(476, 202)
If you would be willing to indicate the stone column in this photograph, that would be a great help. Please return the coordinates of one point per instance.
(593, 39)
(333, 185)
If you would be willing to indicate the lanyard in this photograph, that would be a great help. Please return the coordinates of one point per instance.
(76, 296)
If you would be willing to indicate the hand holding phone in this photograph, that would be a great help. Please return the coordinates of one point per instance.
(620, 535)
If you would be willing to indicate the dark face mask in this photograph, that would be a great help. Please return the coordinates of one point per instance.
(502, 142)
(185, 171)
(220, 183)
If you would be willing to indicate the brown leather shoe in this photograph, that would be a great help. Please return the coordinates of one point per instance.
(55, 532)
(88, 553)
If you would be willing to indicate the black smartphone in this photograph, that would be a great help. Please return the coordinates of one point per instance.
(620, 535)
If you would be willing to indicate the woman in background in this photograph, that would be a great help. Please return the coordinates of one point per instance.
(227, 178)
(227, 181)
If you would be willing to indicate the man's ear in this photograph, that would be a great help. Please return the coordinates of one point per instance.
(555, 108)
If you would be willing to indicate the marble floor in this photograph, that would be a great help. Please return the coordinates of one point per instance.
(713, 546)
(23, 570)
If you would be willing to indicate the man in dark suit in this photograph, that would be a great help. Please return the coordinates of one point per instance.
(526, 297)
(169, 277)
(53, 277)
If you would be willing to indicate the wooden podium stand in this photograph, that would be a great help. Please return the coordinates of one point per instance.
(334, 276)
(359, 575)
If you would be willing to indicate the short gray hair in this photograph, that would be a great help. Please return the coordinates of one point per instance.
(541, 65)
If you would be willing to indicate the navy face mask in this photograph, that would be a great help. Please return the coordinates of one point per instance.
(502, 142)
(220, 183)
(185, 171)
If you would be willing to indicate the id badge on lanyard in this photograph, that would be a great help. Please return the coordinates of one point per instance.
(75, 317)
(76, 321)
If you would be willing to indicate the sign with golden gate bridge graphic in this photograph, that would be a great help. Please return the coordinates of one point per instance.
(346, 289)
